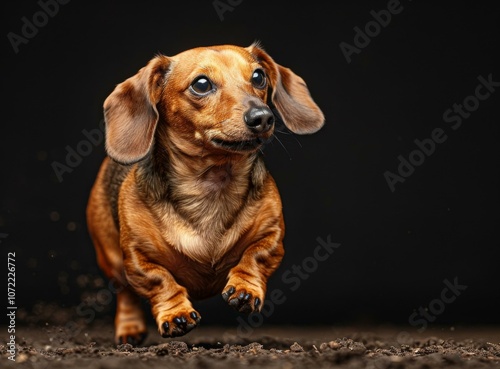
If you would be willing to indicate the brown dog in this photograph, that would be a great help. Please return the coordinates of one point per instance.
(184, 208)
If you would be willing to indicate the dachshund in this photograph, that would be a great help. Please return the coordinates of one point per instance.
(183, 207)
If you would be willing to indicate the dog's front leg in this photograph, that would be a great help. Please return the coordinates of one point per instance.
(247, 281)
(169, 301)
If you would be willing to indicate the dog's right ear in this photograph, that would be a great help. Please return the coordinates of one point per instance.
(130, 112)
(290, 95)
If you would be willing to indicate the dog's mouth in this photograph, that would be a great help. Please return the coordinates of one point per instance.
(246, 145)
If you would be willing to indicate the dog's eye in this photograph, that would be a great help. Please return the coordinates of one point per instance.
(259, 79)
(201, 86)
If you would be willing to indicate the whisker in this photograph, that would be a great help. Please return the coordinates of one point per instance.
(284, 132)
(292, 135)
(284, 148)
(296, 139)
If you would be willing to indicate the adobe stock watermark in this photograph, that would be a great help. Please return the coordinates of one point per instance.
(363, 37)
(223, 6)
(424, 315)
(39, 19)
(292, 278)
(85, 147)
(454, 116)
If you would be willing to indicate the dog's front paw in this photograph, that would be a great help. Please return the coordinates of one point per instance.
(178, 323)
(243, 298)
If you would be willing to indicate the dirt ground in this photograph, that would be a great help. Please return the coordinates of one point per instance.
(52, 346)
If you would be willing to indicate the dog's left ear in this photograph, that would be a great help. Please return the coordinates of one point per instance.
(290, 95)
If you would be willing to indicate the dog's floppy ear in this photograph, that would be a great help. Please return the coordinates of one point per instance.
(130, 112)
(290, 95)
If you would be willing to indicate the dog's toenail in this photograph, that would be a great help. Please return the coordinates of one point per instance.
(165, 327)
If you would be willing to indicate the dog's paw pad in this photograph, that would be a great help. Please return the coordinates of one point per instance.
(179, 324)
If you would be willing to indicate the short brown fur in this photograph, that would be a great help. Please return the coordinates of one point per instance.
(183, 206)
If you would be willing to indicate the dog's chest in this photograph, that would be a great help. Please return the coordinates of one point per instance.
(208, 241)
(217, 178)
(210, 214)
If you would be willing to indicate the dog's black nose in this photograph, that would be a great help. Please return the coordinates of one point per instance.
(259, 119)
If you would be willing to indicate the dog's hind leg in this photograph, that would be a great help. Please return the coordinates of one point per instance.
(130, 324)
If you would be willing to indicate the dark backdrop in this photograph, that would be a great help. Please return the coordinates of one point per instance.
(396, 247)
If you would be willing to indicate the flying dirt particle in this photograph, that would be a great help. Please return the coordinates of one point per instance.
(296, 347)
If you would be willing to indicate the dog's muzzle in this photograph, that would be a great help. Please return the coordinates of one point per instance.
(259, 121)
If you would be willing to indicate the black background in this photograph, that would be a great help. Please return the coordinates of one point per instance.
(397, 247)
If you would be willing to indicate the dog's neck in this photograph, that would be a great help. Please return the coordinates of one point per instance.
(206, 190)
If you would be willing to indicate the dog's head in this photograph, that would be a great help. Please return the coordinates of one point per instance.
(206, 100)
